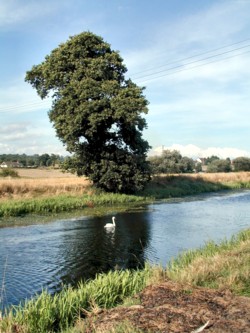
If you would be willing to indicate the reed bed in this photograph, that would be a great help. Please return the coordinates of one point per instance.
(47, 313)
(63, 203)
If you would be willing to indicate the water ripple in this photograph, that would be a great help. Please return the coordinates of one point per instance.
(47, 256)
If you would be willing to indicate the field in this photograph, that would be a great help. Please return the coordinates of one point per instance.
(43, 173)
(222, 177)
(42, 182)
(34, 183)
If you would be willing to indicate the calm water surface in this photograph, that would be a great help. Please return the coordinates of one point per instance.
(50, 255)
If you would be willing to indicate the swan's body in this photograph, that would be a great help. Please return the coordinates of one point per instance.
(110, 225)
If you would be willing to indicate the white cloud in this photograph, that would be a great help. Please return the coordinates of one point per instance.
(14, 12)
(193, 151)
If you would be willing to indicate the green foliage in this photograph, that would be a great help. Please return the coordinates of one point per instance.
(8, 172)
(241, 164)
(210, 159)
(48, 313)
(219, 166)
(171, 162)
(96, 112)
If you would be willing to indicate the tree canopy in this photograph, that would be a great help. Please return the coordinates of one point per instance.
(218, 165)
(96, 112)
(242, 164)
(171, 161)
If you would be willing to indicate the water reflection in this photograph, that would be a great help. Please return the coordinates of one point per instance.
(48, 255)
(89, 248)
(66, 251)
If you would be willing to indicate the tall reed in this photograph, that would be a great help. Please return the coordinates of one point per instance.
(48, 313)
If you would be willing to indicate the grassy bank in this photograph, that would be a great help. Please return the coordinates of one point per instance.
(21, 196)
(172, 186)
(61, 203)
(215, 265)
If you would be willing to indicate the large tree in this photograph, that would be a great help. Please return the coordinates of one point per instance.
(96, 112)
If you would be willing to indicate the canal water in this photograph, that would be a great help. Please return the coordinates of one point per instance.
(62, 252)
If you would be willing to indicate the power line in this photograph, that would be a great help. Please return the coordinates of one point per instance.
(24, 106)
(200, 65)
(194, 56)
(168, 71)
(192, 62)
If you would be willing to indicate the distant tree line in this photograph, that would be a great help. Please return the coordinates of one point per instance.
(171, 161)
(44, 160)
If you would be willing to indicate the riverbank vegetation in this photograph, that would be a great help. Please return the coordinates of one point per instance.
(170, 186)
(65, 203)
(45, 193)
(216, 266)
(224, 265)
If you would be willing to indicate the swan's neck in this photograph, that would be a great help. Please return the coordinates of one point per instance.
(113, 220)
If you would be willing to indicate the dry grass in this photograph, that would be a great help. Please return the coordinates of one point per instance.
(227, 268)
(43, 173)
(42, 182)
(222, 177)
(219, 177)
(48, 182)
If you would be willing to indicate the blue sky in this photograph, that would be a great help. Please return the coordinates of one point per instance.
(192, 56)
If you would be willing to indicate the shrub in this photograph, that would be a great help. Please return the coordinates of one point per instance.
(8, 172)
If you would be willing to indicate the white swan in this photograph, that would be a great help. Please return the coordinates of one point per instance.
(110, 225)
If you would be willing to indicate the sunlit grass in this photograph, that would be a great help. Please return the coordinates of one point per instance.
(65, 203)
(16, 188)
(48, 313)
(226, 265)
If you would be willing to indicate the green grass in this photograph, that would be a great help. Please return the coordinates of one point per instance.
(178, 186)
(65, 203)
(47, 313)
(237, 185)
(226, 265)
